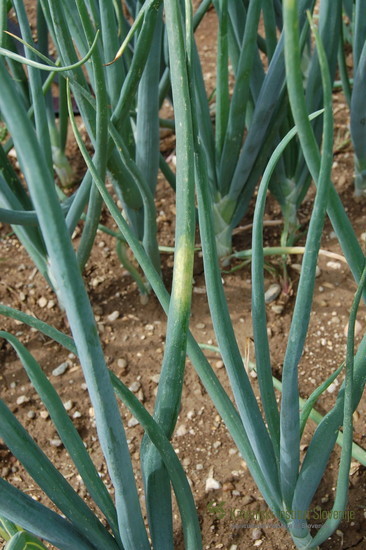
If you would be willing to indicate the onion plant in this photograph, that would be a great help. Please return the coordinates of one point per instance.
(122, 93)
(355, 96)
(268, 436)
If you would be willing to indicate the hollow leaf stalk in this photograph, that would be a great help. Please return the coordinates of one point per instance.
(157, 485)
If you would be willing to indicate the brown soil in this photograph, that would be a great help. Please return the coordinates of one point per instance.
(134, 344)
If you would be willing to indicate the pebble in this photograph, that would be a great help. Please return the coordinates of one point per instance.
(335, 321)
(68, 405)
(122, 364)
(200, 325)
(144, 298)
(334, 265)
(182, 430)
(199, 290)
(212, 484)
(256, 534)
(358, 328)
(61, 369)
(155, 378)
(42, 302)
(55, 442)
(278, 309)
(22, 399)
(363, 237)
(113, 316)
(97, 281)
(31, 414)
(219, 364)
(332, 388)
(272, 293)
(44, 414)
(132, 422)
(135, 386)
(77, 414)
(247, 499)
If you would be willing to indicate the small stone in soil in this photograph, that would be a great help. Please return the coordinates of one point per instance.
(247, 499)
(155, 378)
(334, 265)
(332, 388)
(212, 485)
(272, 293)
(256, 534)
(122, 363)
(199, 290)
(31, 415)
(182, 430)
(144, 298)
(22, 399)
(55, 442)
(113, 316)
(228, 486)
(135, 386)
(42, 302)
(61, 369)
(132, 422)
(68, 405)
